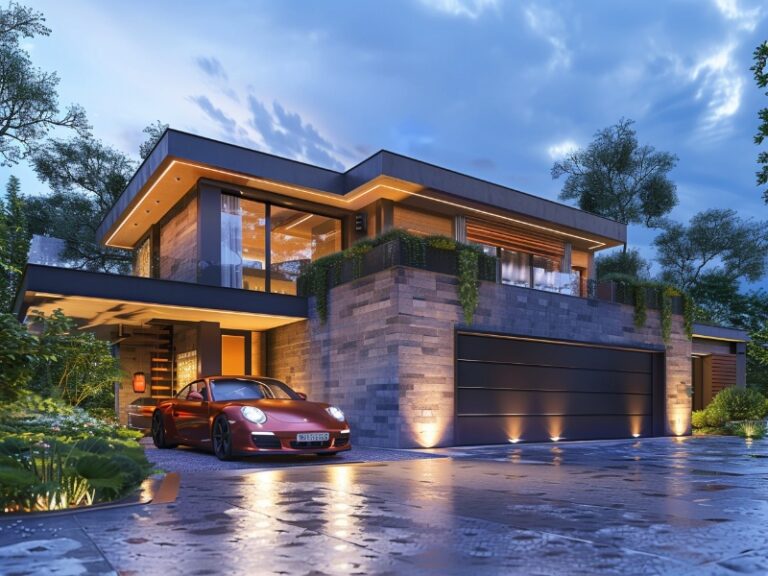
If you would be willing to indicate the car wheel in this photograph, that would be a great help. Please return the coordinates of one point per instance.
(158, 431)
(222, 439)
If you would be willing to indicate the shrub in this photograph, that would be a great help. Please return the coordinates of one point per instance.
(750, 429)
(740, 403)
(715, 416)
(50, 460)
(699, 419)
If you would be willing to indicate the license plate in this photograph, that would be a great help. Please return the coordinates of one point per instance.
(312, 437)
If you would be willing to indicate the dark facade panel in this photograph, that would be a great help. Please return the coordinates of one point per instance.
(48, 279)
(551, 379)
(519, 388)
(533, 352)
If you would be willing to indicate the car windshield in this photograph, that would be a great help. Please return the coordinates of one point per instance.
(246, 389)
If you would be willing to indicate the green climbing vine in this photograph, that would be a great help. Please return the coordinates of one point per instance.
(469, 293)
(641, 311)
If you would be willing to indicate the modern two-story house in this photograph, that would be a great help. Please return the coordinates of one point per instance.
(221, 235)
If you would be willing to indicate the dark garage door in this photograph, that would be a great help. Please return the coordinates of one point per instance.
(517, 388)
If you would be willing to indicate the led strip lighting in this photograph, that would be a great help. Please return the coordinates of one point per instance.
(348, 200)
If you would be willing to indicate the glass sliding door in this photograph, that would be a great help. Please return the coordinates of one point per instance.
(297, 238)
(243, 243)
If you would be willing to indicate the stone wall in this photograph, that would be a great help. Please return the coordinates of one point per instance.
(386, 353)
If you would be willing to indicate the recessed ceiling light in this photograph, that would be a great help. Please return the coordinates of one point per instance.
(178, 178)
(157, 201)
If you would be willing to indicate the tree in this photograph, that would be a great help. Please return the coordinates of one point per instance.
(154, 132)
(761, 78)
(14, 243)
(627, 263)
(29, 103)
(86, 178)
(717, 248)
(618, 178)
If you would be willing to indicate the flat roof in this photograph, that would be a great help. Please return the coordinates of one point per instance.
(714, 332)
(98, 298)
(417, 178)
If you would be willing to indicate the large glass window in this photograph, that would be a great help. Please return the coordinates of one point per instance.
(243, 243)
(515, 268)
(297, 239)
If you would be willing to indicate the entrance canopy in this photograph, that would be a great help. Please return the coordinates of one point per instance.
(97, 299)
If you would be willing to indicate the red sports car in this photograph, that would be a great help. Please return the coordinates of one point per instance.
(247, 415)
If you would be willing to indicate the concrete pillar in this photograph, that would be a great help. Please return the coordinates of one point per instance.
(209, 235)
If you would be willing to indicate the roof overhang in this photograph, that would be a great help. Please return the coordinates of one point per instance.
(95, 299)
(180, 160)
(722, 333)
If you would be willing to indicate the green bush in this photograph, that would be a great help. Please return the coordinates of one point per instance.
(740, 404)
(715, 416)
(699, 419)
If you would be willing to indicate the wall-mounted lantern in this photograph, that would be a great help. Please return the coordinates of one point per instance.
(139, 382)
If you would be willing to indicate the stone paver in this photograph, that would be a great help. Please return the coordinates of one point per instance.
(652, 506)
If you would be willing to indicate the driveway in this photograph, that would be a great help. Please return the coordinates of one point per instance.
(653, 506)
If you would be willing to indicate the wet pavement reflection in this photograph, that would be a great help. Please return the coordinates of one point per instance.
(651, 506)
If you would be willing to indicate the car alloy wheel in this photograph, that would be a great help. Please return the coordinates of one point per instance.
(158, 431)
(222, 439)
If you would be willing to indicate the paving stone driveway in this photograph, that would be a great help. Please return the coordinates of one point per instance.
(654, 506)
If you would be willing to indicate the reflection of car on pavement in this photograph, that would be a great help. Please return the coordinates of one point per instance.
(248, 415)
(140, 413)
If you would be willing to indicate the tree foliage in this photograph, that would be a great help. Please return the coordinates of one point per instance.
(618, 178)
(629, 263)
(154, 132)
(761, 78)
(51, 357)
(14, 242)
(717, 247)
(86, 178)
(29, 103)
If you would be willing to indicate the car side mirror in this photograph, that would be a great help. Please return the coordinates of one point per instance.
(196, 396)
(301, 395)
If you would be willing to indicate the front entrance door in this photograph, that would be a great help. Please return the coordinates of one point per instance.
(234, 354)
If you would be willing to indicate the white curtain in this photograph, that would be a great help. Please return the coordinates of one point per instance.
(231, 242)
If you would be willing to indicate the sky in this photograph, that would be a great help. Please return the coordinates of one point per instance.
(492, 88)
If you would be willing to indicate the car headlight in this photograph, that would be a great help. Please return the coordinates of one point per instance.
(336, 413)
(253, 414)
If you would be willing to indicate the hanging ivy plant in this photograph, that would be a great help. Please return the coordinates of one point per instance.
(666, 311)
(469, 293)
(689, 314)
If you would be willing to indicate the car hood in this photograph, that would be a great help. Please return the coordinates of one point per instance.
(291, 410)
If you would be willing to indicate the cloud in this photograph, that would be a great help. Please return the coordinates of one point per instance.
(548, 25)
(471, 9)
(561, 149)
(721, 84)
(226, 123)
(287, 134)
(745, 19)
(212, 67)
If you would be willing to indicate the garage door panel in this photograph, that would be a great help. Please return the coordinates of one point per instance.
(522, 388)
(501, 402)
(486, 375)
(500, 430)
(540, 353)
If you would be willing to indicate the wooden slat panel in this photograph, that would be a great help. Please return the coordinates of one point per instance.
(514, 238)
(723, 372)
(422, 223)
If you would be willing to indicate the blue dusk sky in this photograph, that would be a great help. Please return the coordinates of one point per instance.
(495, 89)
